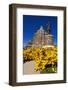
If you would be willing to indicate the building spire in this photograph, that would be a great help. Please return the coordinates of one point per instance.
(49, 28)
(41, 27)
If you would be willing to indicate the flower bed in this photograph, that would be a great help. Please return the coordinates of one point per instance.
(45, 59)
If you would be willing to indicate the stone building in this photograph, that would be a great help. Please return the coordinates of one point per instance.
(41, 38)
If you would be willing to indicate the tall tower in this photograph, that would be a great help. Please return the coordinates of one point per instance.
(49, 28)
(49, 37)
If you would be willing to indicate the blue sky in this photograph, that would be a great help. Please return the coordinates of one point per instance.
(32, 23)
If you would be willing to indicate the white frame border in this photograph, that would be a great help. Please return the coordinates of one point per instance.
(41, 77)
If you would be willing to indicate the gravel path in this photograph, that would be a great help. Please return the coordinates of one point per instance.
(29, 68)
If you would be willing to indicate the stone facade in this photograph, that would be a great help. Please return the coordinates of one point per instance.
(41, 38)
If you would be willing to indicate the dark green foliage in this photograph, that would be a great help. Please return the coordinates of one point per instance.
(50, 69)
